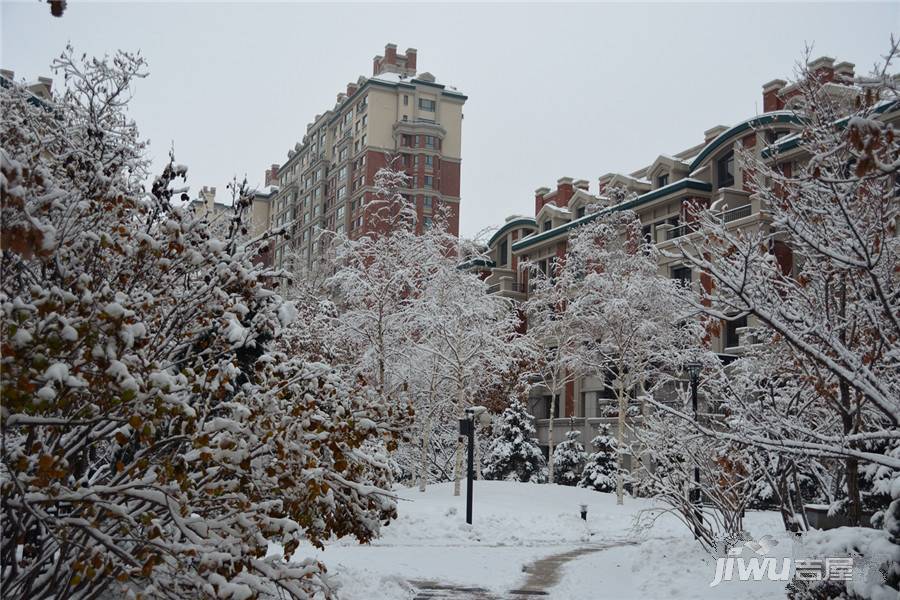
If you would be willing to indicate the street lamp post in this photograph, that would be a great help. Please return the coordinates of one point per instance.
(467, 428)
(693, 370)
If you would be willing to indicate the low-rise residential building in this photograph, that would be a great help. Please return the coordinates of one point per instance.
(662, 194)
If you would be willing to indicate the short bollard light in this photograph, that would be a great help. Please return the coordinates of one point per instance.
(584, 512)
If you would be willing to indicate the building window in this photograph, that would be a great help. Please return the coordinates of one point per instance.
(429, 181)
(340, 212)
(504, 251)
(682, 274)
(342, 192)
(427, 203)
(725, 170)
(429, 161)
(429, 141)
(732, 339)
(548, 225)
(662, 180)
(365, 120)
(342, 173)
(428, 105)
(405, 100)
(579, 213)
(427, 222)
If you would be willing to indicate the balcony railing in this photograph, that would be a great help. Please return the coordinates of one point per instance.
(507, 287)
(728, 216)
(677, 232)
(737, 213)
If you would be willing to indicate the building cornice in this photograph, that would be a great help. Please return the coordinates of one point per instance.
(679, 186)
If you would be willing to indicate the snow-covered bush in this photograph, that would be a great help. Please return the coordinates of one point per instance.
(155, 438)
(602, 464)
(569, 458)
(514, 454)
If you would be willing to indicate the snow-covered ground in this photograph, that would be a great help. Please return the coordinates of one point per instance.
(516, 524)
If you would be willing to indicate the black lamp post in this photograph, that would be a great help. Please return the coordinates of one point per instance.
(693, 369)
(467, 428)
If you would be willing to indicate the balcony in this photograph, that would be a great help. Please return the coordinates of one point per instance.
(668, 232)
(677, 232)
(508, 287)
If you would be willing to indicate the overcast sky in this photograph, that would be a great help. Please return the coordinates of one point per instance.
(554, 90)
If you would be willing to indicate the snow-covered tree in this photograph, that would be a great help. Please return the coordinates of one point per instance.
(569, 459)
(556, 335)
(471, 334)
(600, 470)
(819, 279)
(514, 454)
(834, 304)
(156, 439)
(638, 336)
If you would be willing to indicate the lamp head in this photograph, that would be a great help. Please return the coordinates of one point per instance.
(693, 369)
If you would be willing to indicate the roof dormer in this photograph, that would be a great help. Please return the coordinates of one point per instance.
(665, 170)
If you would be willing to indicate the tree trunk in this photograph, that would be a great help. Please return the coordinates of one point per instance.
(620, 439)
(477, 458)
(854, 507)
(458, 466)
(423, 467)
(550, 438)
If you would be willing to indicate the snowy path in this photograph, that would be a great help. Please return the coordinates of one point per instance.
(543, 574)
(528, 540)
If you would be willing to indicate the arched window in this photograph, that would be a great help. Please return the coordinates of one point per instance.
(725, 170)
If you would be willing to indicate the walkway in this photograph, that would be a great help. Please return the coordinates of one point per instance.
(543, 574)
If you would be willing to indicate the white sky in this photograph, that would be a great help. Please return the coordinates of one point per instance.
(554, 90)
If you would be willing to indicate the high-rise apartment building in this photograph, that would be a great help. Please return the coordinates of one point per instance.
(327, 182)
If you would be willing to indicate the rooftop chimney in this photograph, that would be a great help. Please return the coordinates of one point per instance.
(272, 175)
(564, 191)
(822, 68)
(391, 62)
(845, 70)
(539, 199)
(771, 95)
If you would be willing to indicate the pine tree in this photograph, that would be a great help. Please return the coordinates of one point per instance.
(514, 454)
(600, 472)
(569, 459)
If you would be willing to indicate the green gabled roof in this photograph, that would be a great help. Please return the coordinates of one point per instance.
(476, 262)
(792, 141)
(781, 116)
(518, 221)
(680, 185)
